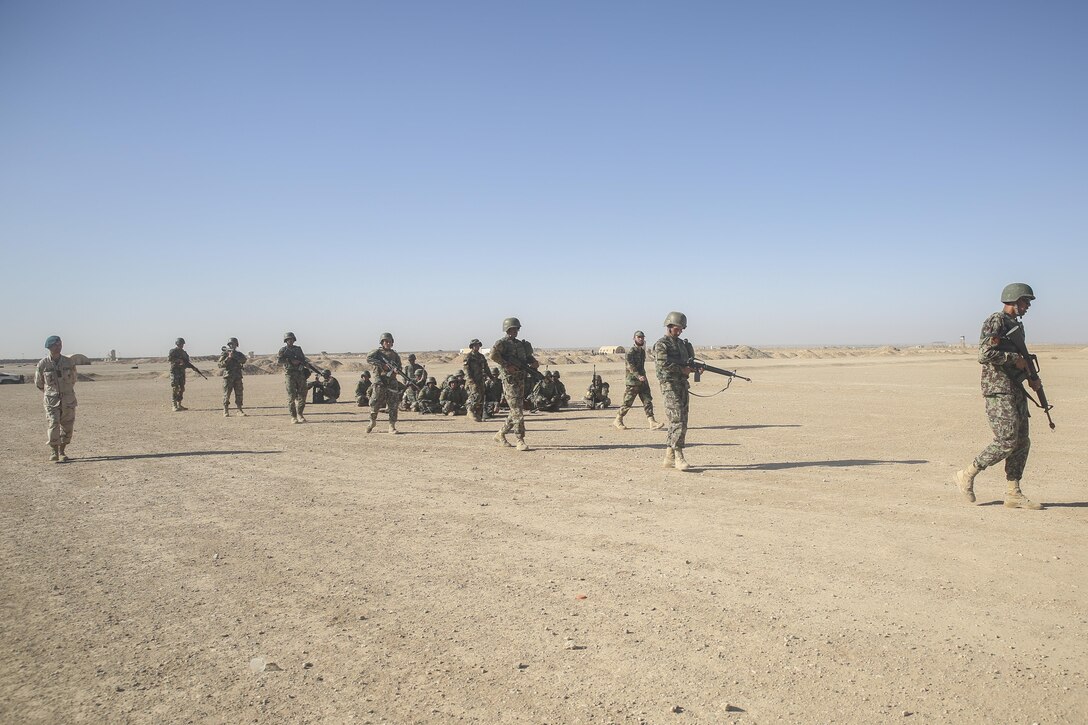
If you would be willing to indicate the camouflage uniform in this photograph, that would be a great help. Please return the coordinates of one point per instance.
(474, 365)
(560, 390)
(428, 400)
(596, 397)
(671, 353)
(513, 383)
(295, 370)
(1006, 402)
(634, 387)
(179, 360)
(57, 381)
(493, 393)
(386, 389)
(417, 374)
(362, 391)
(453, 400)
(231, 362)
(545, 395)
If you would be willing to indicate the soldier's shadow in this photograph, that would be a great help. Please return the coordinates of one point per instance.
(778, 466)
(745, 427)
(178, 454)
(617, 446)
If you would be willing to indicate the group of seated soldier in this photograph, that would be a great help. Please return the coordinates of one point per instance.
(326, 388)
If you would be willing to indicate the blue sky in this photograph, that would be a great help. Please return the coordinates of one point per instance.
(783, 172)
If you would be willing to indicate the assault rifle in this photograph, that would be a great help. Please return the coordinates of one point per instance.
(1012, 340)
(397, 370)
(701, 367)
(534, 375)
(188, 364)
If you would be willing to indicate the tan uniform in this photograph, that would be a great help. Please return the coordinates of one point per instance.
(57, 380)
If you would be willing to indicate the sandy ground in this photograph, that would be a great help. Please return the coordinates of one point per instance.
(815, 566)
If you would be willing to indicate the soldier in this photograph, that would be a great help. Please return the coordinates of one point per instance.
(362, 390)
(416, 374)
(385, 364)
(326, 388)
(637, 384)
(515, 356)
(560, 389)
(295, 369)
(55, 376)
(474, 365)
(454, 399)
(493, 394)
(429, 399)
(1006, 401)
(545, 395)
(231, 362)
(596, 397)
(672, 355)
(179, 360)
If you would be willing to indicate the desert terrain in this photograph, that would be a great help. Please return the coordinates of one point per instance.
(816, 565)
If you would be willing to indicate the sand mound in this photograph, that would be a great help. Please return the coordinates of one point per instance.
(86, 377)
(78, 359)
(888, 350)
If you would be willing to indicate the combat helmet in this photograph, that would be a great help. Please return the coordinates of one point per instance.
(386, 336)
(366, 374)
(555, 374)
(179, 341)
(411, 355)
(432, 381)
(326, 372)
(289, 336)
(676, 318)
(511, 322)
(233, 341)
(1015, 291)
(476, 341)
(494, 371)
(639, 333)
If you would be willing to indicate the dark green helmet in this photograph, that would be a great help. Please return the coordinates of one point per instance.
(326, 372)
(289, 336)
(555, 374)
(676, 318)
(476, 341)
(511, 322)
(411, 355)
(386, 336)
(494, 371)
(233, 341)
(366, 374)
(432, 381)
(179, 341)
(1015, 291)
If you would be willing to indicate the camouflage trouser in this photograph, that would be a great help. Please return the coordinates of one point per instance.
(476, 394)
(1008, 416)
(641, 391)
(60, 411)
(548, 403)
(408, 399)
(296, 393)
(676, 410)
(514, 388)
(455, 408)
(428, 406)
(232, 383)
(177, 383)
(390, 398)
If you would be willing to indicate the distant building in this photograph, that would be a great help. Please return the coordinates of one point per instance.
(611, 350)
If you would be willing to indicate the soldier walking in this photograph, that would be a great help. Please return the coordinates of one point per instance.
(672, 355)
(514, 357)
(474, 365)
(386, 389)
(1006, 402)
(231, 362)
(637, 385)
(55, 376)
(295, 365)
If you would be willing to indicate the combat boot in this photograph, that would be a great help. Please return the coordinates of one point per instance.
(393, 429)
(618, 422)
(965, 481)
(373, 422)
(176, 406)
(300, 419)
(242, 412)
(522, 445)
(654, 424)
(681, 462)
(1015, 499)
(181, 407)
(226, 412)
(500, 437)
(55, 457)
(60, 453)
(670, 458)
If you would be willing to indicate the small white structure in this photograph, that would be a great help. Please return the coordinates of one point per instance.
(611, 350)
(485, 351)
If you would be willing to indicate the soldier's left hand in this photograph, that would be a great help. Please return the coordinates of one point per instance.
(1035, 384)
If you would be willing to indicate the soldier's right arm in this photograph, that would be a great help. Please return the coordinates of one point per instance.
(988, 354)
(39, 378)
